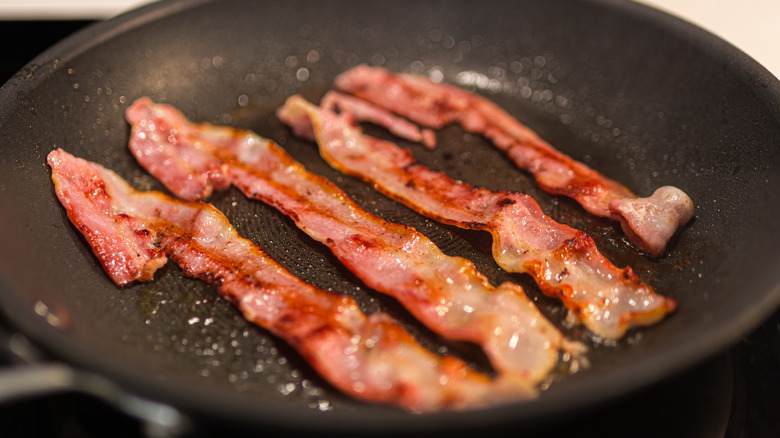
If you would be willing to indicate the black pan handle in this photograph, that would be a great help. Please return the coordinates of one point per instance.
(30, 377)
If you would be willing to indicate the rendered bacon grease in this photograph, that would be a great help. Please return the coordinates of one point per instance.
(564, 262)
(367, 356)
(649, 223)
(447, 294)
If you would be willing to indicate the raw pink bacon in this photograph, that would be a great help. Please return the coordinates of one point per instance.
(564, 262)
(367, 356)
(446, 293)
(648, 222)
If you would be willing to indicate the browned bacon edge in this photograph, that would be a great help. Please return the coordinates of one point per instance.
(447, 294)
(369, 357)
(564, 262)
(649, 223)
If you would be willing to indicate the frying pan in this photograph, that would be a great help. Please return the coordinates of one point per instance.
(639, 95)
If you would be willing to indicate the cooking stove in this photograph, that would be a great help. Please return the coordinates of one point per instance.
(735, 394)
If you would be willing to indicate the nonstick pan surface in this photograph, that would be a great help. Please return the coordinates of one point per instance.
(642, 97)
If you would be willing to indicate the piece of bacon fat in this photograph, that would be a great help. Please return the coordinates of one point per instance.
(649, 223)
(367, 356)
(445, 293)
(564, 262)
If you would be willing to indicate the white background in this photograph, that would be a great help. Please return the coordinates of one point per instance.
(65, 9)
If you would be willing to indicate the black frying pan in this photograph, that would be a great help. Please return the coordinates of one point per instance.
(641, 96)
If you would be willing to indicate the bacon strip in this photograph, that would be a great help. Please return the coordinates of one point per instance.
(564, 262)
(363, 111)
(648, 222)
(125, 248)
(447, 294)
(367, 356)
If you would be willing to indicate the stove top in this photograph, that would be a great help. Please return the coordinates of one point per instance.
(734, 394)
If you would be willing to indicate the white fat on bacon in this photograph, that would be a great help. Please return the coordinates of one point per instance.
(367, 356)
(649, 223)
(445, 293)
(564, 262)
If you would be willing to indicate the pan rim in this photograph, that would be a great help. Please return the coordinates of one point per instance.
(682, 357)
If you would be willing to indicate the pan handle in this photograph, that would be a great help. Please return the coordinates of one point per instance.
(30, 377)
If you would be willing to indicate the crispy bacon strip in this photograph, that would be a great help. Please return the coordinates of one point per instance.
(447, 294)
(648, 222)
(564, 262)
(367, 356)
